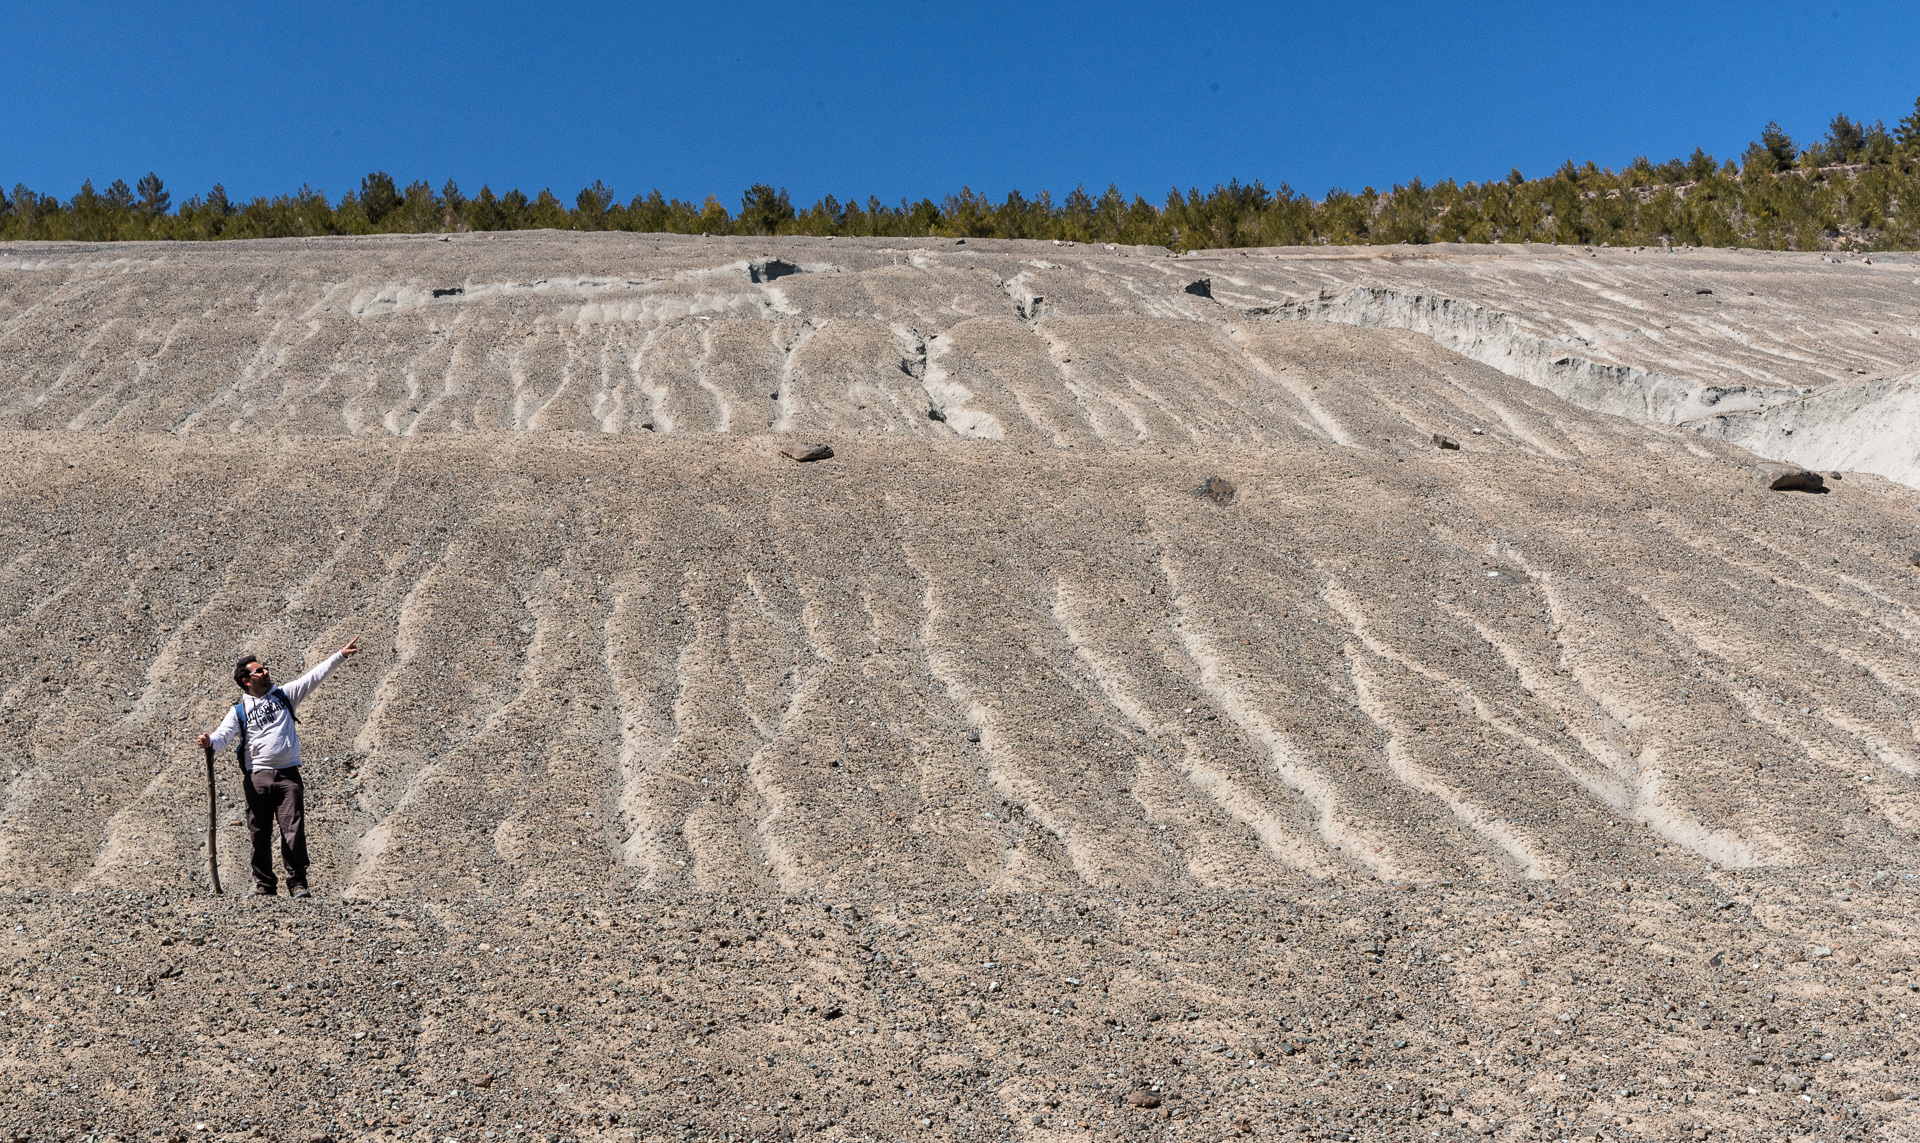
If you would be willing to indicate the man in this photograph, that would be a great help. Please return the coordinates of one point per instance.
(269, 749)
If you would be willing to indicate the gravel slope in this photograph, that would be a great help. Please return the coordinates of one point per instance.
(971, 781)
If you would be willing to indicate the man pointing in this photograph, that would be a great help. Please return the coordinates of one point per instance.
(261, 728)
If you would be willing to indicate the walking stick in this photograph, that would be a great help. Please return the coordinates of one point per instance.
(213, 813)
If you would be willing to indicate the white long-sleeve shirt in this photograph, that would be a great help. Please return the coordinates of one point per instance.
(273, 742)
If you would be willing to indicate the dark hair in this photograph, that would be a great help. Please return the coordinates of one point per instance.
(240, 671)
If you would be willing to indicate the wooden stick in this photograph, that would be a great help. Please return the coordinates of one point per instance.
(213, 814)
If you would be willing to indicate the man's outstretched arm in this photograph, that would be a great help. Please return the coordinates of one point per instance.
(300, 688)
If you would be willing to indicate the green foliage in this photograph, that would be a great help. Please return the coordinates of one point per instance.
(764, 210)
(1779, 145)
(154, 198)
(1852, 188)
(378, 199)
(590, 206)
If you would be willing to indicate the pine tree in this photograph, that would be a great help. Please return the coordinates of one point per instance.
(154, 198)
(590, 206)
(454, 203)
(1846, 141)
(764, 210)
(1779, 145)
(1907, 131)
(378, 197)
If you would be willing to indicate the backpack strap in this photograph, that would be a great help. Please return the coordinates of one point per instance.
(280, 697)
(240, 752)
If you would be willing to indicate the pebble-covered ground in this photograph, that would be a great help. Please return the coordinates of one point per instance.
(1157, 717)
(1686, 1007)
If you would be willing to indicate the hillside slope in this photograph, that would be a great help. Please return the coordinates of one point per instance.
(1505, 779)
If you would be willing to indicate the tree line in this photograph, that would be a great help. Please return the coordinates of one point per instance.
(1858, 187)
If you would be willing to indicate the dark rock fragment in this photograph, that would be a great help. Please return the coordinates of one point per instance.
(1703, 291)
(805, 453)
(833, 1013)
(1202, 288)
(934, 414)
(1145, 1100)
(770, 269)
(1218, 489)
(1446, 442)
(1788, 477)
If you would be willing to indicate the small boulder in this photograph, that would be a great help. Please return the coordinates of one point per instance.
(1446, 442)
(1145, 1100)
(770, 269)
(805, 453)
(934, 414)
(1787, 477)
(1202, 288)
(1216, 489)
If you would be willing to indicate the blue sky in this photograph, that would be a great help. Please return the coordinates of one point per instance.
(917, 97)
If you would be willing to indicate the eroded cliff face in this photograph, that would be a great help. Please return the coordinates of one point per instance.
(1394, 778)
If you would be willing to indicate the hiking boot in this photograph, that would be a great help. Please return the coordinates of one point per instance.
(266, 891)
(299, 891)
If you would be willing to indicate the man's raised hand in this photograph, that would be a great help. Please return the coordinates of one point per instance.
(204, 741)
(352, 648)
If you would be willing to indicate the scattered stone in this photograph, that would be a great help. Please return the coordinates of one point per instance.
(770, 269)
(1792, 1082)
(805, 453)
(1217, 489)
(1202, 288)
(934, 414)
(1446, 442)
(1787, 477)
(1914, 559)
(1820, 951)
(833, 1013)
(1703, 291)
(1145, 1100)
